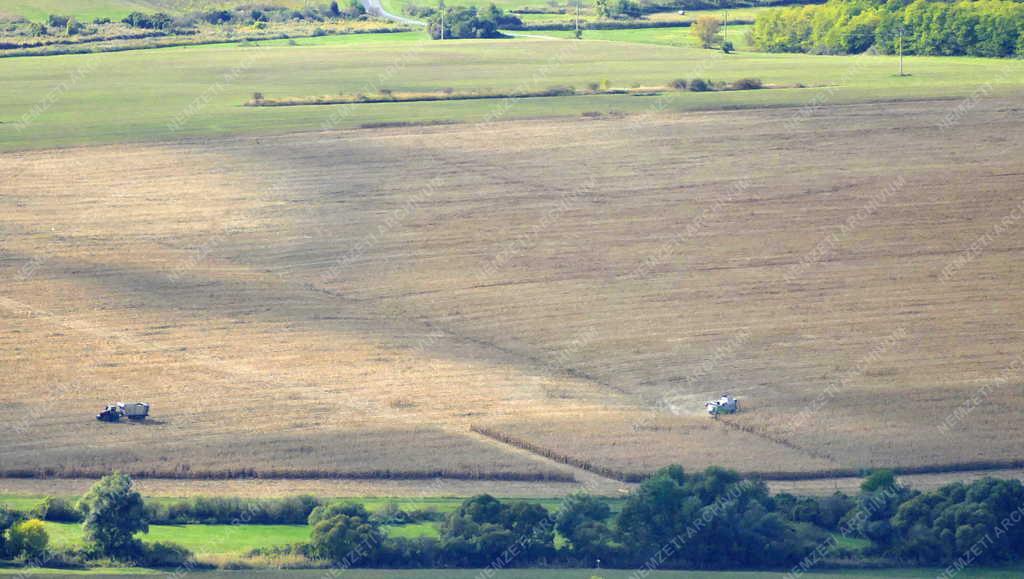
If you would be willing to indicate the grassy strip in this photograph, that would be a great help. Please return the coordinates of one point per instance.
(405, 97)
(271, 474)
(161, 39)
(612, 24)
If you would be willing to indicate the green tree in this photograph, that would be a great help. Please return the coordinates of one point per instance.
(348, 540)
(707, 30)
(28, 538)
(8, 519)
(114, 512)
(581, 520)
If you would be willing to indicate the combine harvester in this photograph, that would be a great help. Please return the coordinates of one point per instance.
(724, 405)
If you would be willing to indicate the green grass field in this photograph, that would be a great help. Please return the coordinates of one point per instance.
(679, 37)
(139, 95)
(202, 539)
(87, 10)
(541, 574)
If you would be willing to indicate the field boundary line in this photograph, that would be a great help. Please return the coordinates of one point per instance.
(779, 476)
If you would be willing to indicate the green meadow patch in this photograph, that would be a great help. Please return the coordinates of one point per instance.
(151, 95)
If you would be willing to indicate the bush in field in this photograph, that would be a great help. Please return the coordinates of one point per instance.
(56, 510)
(8, 519)
(28, 539)
(114, 513)
(216, 16)
(57, 20)
(233, 511)
(747, 84)
(158, 21)
(679, 84)
(164, 555)
(332, 510)
(706, 29)
(700, 85)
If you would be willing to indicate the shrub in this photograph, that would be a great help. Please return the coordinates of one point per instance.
(699, 85)
(56, 510)
(28, 539)
(727, 46)
(747, 84)
(217, 16)
(8, 519)
(679, 84)
(57, 20)
(559, 90)
(325, 512)
(164, 555)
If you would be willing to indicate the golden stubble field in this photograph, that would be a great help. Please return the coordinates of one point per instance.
(351, 302)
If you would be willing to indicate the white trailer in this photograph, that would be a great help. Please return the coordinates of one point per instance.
(133, 410)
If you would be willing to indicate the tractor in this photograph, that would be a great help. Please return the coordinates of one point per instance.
(724, 405)
(129, 410)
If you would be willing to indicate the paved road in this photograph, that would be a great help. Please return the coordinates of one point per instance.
(373, 7)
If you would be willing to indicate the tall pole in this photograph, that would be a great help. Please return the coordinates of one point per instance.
(725, 27)
(442, 20)
(899, 44)
(577, 18)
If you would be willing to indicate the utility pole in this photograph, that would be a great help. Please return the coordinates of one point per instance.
(577, 18)
(899, 44)
(725, 27)
(441, 8)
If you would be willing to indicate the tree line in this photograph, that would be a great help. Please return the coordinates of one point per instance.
(714, 519)
(993, 28)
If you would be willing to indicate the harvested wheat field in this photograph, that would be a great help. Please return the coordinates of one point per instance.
(298, 306)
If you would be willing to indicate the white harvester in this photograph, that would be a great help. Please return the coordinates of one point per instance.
(724, 405)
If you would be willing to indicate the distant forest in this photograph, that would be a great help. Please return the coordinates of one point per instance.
(992, 28)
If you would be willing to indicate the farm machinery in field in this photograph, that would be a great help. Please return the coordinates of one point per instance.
(724, 405)
(129, 410)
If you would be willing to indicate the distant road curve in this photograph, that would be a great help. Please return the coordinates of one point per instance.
(373, 7)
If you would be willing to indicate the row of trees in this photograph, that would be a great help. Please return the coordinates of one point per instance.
(708, 520)
(926, 27)
(248, 15)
